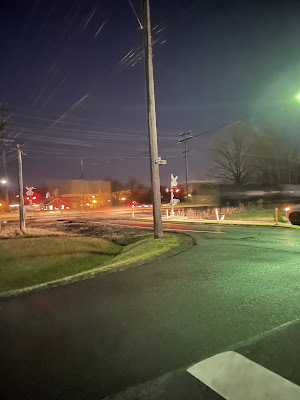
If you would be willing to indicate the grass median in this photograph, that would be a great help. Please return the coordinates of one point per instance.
(27, 262)
(261, 215)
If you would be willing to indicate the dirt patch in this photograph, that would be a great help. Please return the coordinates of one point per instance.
(117, 234)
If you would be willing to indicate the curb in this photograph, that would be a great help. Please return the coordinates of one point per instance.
(102, 270)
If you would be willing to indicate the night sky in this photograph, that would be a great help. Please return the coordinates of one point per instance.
(69, 95)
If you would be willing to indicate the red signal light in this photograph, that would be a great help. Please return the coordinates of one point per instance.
(34, 198)
(177, 190)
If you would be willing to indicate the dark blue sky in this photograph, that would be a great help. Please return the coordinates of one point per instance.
(69, 94)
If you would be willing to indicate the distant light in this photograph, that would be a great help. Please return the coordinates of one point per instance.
(189, 195)
(298, 96)
(14, 205)
(93, 197)
(108, 201)
(0, 204)
(287, 209)
(87, 204)
(123, 198)
(3, 181)
(94, 201)
(34, 198)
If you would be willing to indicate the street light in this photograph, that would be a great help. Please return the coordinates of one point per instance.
(3, 181)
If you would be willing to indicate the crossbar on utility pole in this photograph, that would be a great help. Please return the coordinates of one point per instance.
(151, 114)
(21, 196)
(184, 138)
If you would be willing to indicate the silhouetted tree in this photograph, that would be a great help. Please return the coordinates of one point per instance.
(274, 158)
(229, 154)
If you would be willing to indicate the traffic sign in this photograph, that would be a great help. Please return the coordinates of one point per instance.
(29, 191)
(174, 180)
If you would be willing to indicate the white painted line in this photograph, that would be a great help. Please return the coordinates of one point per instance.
(235, 377)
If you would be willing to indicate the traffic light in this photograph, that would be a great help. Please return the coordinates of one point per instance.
(177, 190)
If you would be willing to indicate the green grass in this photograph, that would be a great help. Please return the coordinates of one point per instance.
(263, 215)
(146, 248)
(30, 261)
(26, 262)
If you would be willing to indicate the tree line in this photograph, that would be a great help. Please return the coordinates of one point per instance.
(241, 155)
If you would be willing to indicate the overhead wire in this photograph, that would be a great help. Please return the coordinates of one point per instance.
(84, 124)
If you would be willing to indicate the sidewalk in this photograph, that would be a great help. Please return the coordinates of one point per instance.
(273, 358)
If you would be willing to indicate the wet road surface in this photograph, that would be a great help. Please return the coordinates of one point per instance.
(97, 337)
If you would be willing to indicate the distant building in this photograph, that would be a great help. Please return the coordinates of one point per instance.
(72, 194)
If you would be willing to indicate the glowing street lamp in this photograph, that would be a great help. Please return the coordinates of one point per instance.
(3, 181)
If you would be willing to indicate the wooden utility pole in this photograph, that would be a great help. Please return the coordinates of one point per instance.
(82, 183)
(184, 138)
(21, 197)
(151, 115)
(4, 165)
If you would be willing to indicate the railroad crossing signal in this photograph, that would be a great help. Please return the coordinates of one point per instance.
(174, 180)
(29, 191)
(174, 189)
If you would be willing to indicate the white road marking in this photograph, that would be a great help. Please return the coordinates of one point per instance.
(150, 227)
(235, 377)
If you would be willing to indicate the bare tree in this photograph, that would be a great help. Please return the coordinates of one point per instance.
(275, 158)
(229, 154)
(132, 184)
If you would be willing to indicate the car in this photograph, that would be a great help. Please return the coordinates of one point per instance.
(293, 214)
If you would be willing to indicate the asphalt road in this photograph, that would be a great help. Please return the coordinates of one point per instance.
(97, 337)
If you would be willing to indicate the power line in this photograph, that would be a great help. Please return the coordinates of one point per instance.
(135, 13)
(88, 125)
